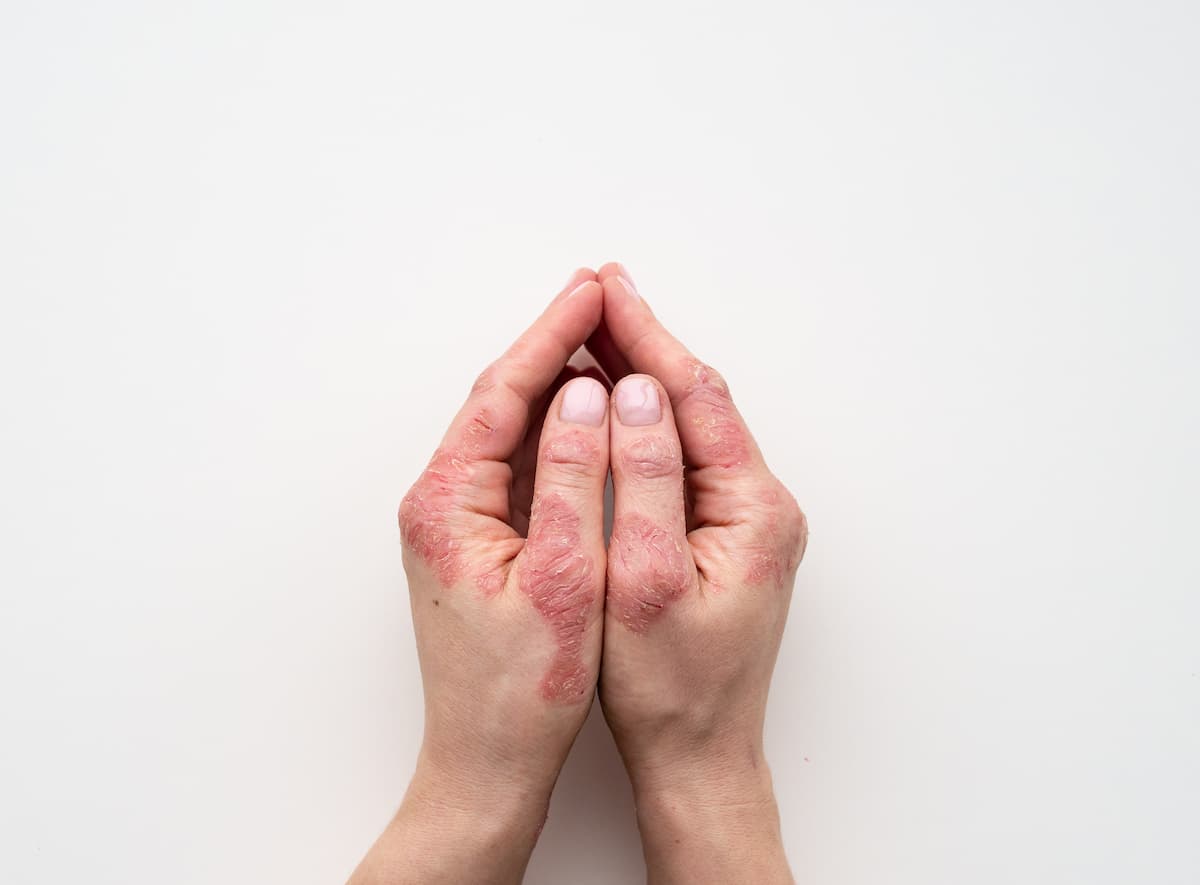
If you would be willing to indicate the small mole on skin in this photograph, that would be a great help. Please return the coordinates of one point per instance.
(648, 570)
(557, 577)
(435, 602)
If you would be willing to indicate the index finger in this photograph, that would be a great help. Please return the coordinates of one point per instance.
(493, 420)
(711, 429)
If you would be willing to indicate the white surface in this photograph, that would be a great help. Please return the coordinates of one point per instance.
(252, 254)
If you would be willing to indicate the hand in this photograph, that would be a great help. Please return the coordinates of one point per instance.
(703, 555)
(506, 575)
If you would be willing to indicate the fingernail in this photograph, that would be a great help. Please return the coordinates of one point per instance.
(583, 402)
(629, 290)
(578, 288)
(624, 273)
(637, 403)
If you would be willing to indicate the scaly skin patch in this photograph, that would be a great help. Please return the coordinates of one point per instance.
(557, 577)
(490, 583)
(648, 570)
(708, 407)
(426, 509)
(572, 447)
(652, 457)
(425, 513)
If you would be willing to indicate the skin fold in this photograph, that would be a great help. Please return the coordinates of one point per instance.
(520, 611)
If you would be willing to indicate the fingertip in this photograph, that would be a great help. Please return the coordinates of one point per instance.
(584, 302)
(598, 373)
(584, 401)
(579, 275)
(611, 269)
(638, 401)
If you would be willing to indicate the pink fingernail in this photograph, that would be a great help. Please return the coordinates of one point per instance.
(584, 402)
(624, 273)
(637, 403)
(578, 288)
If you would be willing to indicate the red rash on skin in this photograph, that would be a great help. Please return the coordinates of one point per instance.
(557, 577)
(425, 511)
(653, 456)
(490, 583)
(648, 570)
(574, 447)
(781, 542)
(710, 410)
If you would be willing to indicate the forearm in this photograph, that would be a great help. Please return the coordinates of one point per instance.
(450, 831)
(711, 825)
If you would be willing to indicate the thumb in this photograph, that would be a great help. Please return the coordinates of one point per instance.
(561, 568)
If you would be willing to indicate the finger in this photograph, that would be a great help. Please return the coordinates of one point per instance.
(601, 346)
(711, 429)
(493, 420)
(561, 568)
(524, 459)
(649, 560)
(464, 490)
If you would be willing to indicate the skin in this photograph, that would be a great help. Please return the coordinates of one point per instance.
(519, 610)
(701, 563)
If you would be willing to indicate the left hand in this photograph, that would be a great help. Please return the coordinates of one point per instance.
(506, 569)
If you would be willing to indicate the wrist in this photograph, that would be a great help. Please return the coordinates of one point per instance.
(710, 819)
(456, 826)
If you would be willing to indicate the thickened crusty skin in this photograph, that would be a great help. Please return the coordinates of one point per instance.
(426, 510)
(708, 406)
(648, 569)
(571, 448)
(560, 581)
(425, 514)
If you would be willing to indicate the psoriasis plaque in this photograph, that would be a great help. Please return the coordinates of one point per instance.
(558, 578)
(709, 408)
(649, 571)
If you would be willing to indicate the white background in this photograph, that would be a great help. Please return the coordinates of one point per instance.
(252, 255)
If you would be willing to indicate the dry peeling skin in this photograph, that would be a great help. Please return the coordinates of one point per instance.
(557, 577)
(426, 509)
(574, 447)
(653, 456)
(425, 512)
(711, 411)
(766, 566)
(650, 571)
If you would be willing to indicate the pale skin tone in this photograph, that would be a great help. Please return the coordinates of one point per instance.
(520, 609)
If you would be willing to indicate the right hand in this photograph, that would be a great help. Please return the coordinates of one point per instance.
(701, 563)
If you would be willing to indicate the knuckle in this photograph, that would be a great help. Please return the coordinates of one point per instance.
(792, 522)
(707, 379)
(482, 424)
(573, 452)
(485, 382)
(652, 457)
(406, 516)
